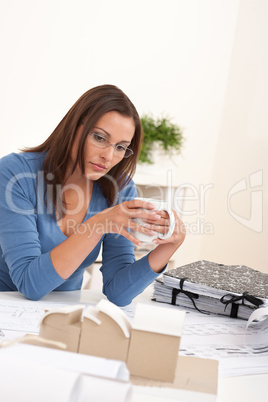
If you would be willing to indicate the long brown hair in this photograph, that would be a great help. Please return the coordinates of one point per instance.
(89, 108)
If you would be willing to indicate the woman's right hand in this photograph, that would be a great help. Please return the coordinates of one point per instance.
(118, 219)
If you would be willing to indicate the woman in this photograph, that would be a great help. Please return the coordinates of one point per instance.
(64, 198)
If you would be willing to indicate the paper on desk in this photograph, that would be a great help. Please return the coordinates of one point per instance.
(260, 315)
(18, 316)
(69, 361)
(51, 375)
(81, 377)
(31, 381)
(96, 389)
(23, 316)
(258, 324)
(240, 351)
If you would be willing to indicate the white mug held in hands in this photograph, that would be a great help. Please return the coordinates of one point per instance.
(160, 205)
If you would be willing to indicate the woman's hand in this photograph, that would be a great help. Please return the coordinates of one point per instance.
(162, 226)
(118, 219)
(160, 256)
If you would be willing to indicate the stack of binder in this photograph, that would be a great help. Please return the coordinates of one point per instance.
(208, 287)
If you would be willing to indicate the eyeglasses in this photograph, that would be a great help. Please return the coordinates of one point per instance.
(102, 142)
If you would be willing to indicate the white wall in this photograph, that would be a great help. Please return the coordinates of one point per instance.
(169, 56)
(241, 164)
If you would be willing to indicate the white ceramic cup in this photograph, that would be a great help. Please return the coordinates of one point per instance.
(160, 205)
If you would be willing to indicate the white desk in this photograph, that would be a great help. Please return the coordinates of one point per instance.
(233, 389)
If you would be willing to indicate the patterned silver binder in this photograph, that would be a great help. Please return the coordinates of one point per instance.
(231, 278)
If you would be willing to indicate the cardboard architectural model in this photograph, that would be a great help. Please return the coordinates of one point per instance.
(196, 380)
(149, 346)
(64, 326)
(155, 341)
(105, 332)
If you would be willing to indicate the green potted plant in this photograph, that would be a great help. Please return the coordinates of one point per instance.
(159, 133)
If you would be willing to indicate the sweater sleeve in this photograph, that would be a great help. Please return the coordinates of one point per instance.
(124, 277)
(30, 270)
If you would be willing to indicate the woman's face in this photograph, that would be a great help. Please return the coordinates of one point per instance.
(115, 128)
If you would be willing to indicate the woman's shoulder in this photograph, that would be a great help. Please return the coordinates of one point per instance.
(22, 162)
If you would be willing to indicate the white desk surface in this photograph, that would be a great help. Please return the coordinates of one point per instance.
(251, 388)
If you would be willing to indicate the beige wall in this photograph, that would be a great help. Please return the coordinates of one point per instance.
(240, 171)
